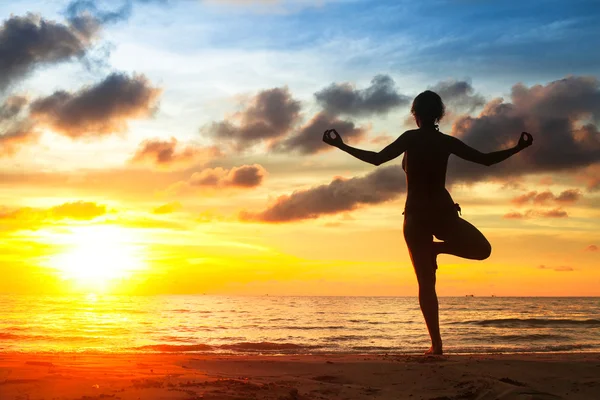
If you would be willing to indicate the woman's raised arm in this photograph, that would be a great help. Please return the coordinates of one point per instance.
(468, 153)
(390, 152)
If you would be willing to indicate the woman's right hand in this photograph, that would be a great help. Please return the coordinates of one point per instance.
(332, 138)
(525, 140)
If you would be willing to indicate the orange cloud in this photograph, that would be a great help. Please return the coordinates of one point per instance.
(169, 153)
(562, 268)
(244, 177)
(554, 213)
(566, 197)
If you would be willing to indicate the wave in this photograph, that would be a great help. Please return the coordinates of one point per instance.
(241, 347)
(529, 322)
(534, 337)
(266, 346)
(175, 348)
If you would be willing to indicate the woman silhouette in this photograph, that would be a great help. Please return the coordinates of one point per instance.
(429, 210)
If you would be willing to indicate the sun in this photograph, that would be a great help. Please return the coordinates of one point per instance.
(94, 256)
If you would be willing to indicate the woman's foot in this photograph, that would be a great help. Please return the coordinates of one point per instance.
(434, 351)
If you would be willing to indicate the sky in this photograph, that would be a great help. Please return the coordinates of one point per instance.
(175, 146)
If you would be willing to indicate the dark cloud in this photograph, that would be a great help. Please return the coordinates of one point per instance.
(270, 116)
(244, 177)
(560, 115)
(79, 11)
(562, 268)
(31, 41)
(591, 247)
(170, 152)
(459, 95)
(341, 195)
(543, 198)
(309, 138)
(12, 107)
(97, 110)
(379, 98)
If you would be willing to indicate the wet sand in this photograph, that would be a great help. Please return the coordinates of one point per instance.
(195, 377)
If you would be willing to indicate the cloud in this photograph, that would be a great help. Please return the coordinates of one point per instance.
(553, 213)
(558, 115)
(309, 138)
(169, 153)
(513, 215)
(558, 269)
(341, 195)
(167, 208)
(379, 98)
(97, 110)
(15, 129)
(15, 136)
(459, 95)
(244, 177)
(12, 107)
(590, 176)
(569, 196)
(382, 139)
(34, 218)
(79, 10)
(80, 210)
(591, 247)
(31, 41)
(269, 116)
(85, 15)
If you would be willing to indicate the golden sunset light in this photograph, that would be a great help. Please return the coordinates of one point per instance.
(93, 256)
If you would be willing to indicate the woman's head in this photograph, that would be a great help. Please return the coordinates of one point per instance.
(428, 108)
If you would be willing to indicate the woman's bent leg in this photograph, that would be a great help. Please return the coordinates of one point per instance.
(420, 247)
(462, 239)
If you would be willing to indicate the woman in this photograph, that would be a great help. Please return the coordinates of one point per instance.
(429, 209)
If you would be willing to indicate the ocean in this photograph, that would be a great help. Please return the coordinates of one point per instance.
(294, 325)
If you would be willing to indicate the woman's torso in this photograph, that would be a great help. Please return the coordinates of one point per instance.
(425, 163)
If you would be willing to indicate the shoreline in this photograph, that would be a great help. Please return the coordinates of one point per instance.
(114, 376)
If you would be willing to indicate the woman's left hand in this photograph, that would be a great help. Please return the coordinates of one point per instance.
(525, 140)
(332, 138)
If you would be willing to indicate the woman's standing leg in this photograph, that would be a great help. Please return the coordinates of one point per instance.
(420, 246)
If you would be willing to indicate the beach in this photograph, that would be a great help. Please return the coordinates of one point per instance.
(84, 376)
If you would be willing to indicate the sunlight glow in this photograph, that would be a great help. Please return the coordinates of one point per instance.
(96, 255)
